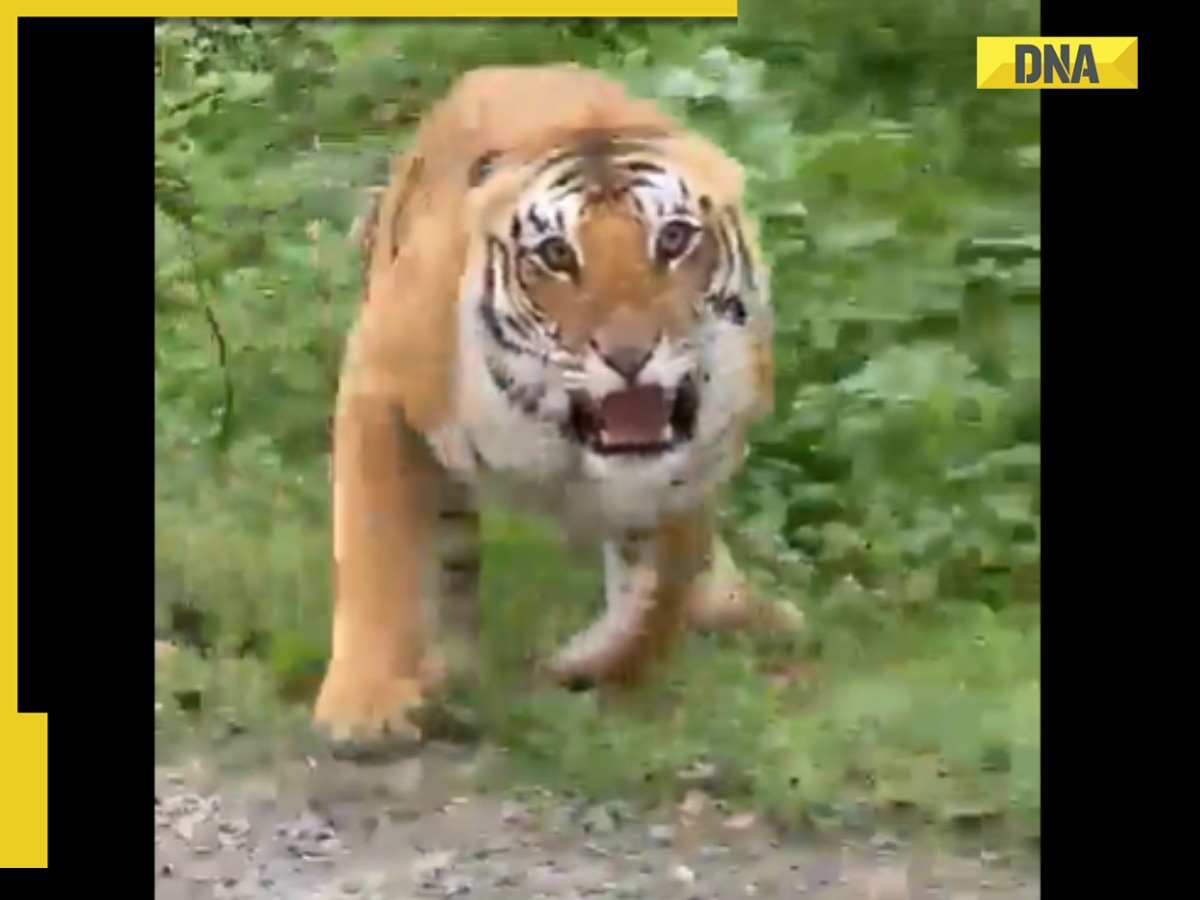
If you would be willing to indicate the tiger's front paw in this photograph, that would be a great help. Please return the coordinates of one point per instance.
(565, 674)
(367, 716)
(621, 650)
(587, 663)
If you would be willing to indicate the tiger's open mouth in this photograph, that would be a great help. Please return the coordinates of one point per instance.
(642, 420)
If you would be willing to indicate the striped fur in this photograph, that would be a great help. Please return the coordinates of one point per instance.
(566, 313)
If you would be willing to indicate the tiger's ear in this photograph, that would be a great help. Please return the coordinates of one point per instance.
(361, 233)
(377, 229)
(364, 228)
(720, 176)
(490, 200)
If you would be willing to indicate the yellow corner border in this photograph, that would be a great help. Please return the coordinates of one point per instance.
(24, 777)
(446, 9)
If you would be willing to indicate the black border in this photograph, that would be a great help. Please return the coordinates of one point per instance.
(84, 251)
(1107, 340)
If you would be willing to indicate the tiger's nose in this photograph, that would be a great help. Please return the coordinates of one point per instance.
(626, 361)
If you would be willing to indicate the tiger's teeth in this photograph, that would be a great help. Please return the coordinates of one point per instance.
(665, 434)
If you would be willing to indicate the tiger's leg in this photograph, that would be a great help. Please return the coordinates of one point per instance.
(385, 489)
(456, 606)
(722, 601)
(649, 577)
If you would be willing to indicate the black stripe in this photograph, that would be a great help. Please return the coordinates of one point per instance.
(643, 167)
(506, 270)
(527, 398)
(487, 309)
(743, 251)
(512, 278)
(541, 224)
(569, 178)
(491, 322)
(730, 307)
(721, 233)
(515, 324)
(500, 377)
(617, 146)
(464, 566)
(725, 299)
(554, 158)
(582, 156)
(609, 144)
(481, 461)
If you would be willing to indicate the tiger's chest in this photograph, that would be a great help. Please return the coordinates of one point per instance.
(525, 467)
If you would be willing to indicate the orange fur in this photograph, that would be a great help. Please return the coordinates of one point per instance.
(399, 385)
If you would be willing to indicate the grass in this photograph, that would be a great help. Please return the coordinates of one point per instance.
(876, 715)
(894, 496)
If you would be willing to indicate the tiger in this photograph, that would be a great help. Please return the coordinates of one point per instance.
(565, 312)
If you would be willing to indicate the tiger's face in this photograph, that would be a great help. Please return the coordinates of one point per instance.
(615, 305)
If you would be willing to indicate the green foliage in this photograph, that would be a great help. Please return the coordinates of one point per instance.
(901, 470)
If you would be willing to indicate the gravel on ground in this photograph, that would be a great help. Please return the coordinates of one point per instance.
(413, 829)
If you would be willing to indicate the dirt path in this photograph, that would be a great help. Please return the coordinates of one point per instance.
(416, 829)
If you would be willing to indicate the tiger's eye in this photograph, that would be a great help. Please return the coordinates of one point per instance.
(675, 239)
(557, 256)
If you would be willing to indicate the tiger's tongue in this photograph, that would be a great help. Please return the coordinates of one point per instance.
(634, 417)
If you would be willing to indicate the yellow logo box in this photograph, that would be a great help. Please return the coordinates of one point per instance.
(1054, 63)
